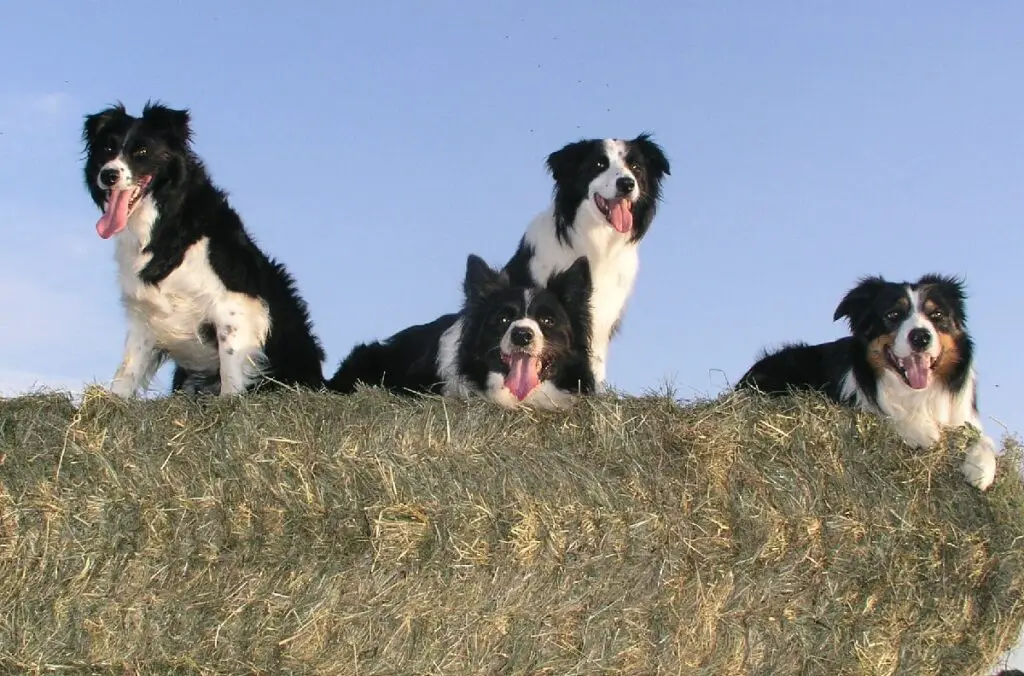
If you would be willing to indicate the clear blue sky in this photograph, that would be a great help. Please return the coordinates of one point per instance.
(372, 148)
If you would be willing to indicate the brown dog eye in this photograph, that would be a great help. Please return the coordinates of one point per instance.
(936, 316)
(141, 152)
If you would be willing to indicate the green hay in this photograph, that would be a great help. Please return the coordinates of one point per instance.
(305, 532)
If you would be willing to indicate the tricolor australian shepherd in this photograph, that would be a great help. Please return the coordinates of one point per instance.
(605, 196)
(910, 359)
(195, 286)
(512, 344)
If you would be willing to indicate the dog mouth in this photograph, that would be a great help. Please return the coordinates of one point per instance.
(119, 206)
(618, 211)
(916, 369)
(525, 372)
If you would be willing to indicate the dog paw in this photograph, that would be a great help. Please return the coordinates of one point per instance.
(122, 388)
(979, 468)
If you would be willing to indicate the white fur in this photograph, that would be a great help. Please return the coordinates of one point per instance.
(165, 319)
(915, 320)
(124, 173)
(536, 347)
(545, 396)
(920, 416)
(614, 259)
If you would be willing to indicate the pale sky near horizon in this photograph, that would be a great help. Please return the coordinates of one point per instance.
(373, 146)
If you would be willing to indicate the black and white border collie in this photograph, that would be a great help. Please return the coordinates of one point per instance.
(195, 286)
(606, 193)
(515, 345)
(910, 359)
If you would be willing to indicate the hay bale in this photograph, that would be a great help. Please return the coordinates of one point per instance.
(305, 532)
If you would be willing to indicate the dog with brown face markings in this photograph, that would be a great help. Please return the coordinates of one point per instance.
(909, 358)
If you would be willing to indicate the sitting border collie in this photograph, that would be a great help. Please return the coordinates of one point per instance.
(910, 359)
(513, 344)
(195, 286)
(605, 197)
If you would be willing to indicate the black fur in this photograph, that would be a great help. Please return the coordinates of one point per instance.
(191, 208)
(408, 361)
(574, 166)
(873, 308)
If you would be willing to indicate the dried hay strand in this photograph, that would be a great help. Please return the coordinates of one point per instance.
(304, 532)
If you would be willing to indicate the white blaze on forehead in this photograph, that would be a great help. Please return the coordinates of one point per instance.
(615, 151)
(915, 320)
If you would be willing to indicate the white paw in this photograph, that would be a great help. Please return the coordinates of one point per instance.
(979, 466)
(123, 387)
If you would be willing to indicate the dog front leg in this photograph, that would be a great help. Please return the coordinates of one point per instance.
(139, 363)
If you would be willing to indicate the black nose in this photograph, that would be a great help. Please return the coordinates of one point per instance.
(521, 336)
(108, 177)
(920, 339)
(625, 185)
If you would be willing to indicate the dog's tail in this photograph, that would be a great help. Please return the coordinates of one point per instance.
(367, 364)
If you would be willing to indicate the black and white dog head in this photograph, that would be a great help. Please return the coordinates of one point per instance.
(611, 182)
(128, 158)
(917, 331)
(524, 344)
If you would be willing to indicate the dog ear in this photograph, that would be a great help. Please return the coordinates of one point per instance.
(858, 301)
(95, 123)
(481, 279)
(572, 286)
(563, 163)
(172, 122)
(657, 162)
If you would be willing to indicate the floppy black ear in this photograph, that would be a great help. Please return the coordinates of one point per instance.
(481, 279)
(172, 122)
(94, 123)
(563, 163)
(572, 286)
(858, 300)
(657, 162)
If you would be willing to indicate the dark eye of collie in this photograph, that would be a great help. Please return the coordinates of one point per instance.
(140, 151)
(601, 163)
(936, 315)
(507, 315)
(894, 315)
(545, 318)
(109, 145)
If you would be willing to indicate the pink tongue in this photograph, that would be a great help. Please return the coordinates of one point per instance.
(620, 215)
(522, 375)
(115, 216)
(919, 370)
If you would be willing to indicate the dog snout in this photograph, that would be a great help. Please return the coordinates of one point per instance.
(521, 336)
(920, 339)
(109, 177)
(625, 185)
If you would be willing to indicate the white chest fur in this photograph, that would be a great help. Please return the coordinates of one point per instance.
(614, 263)
(172, 311)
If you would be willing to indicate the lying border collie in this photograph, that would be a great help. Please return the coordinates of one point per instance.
(511, 343)
(910, 359)
(195, 286)
(605, 197)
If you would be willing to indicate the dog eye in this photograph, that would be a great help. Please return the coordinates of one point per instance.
(602, 163)
(936, 315)
(505, 317)
(892, 315)
(546, 319)
(140, 152)
(634, 167)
